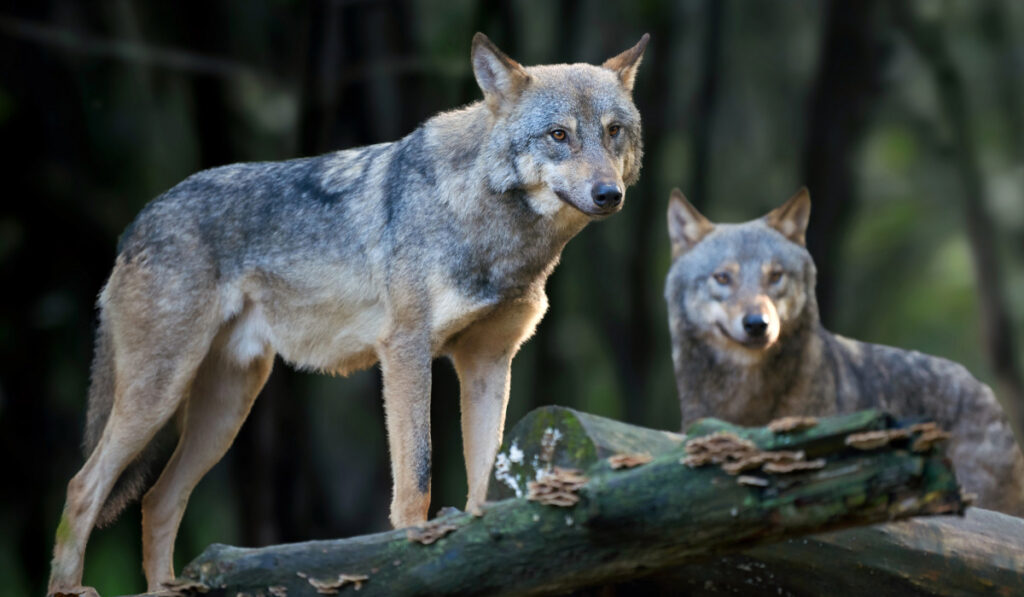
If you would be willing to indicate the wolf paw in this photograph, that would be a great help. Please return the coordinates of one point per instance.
(78, 591)
(446, 511)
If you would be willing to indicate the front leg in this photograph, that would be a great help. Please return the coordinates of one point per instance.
(405, 365)
(483, 358)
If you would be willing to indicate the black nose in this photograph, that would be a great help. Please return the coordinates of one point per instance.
(755, 325)
(606, 195)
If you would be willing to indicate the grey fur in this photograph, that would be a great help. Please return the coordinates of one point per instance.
(261, 218)
(810, 371)
(436, 244)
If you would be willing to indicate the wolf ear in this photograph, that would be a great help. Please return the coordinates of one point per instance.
(626, 63)
(501, 78)
(686, 225)
(791, 218)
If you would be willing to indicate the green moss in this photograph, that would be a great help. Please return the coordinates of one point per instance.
(583, 441)
(573, 448)
(64, 532)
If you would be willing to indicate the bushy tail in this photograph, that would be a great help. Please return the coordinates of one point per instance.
(136, 476)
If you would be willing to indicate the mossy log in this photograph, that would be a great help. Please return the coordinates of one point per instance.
(981, 553)
(627, 522)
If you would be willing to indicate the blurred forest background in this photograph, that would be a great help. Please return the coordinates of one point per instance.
(905, 119)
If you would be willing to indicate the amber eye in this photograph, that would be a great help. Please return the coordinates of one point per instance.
(613, 130)
(775, 277)
(558, 135)
(722, 278)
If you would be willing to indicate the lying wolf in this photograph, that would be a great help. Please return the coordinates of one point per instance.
(748, 347)
(437, 244)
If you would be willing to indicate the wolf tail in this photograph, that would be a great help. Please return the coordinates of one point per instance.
(136, 477)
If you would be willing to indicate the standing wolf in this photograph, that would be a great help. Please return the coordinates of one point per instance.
(437, 244)
(748, 347)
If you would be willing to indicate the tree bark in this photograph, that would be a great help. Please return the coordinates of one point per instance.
(981, 553)
(838, 107)
(706, 102)
(627, 523)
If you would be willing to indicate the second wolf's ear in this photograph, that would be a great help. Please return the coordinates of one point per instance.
(500, 78)
(686, 225)
(626, 63)
(791, 218)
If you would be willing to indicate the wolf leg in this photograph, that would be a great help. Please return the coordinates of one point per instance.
(150, 388)
(220, 399)
(125, 436)
(483, 360)
(484, 384)
(405, 366)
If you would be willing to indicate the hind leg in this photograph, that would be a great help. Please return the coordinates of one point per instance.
(161, 323)
(142, 405)
(220, 399)
(124, 438)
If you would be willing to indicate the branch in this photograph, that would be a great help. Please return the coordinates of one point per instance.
(127, 51)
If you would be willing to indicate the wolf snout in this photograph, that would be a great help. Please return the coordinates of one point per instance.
(755, 325)
(606, 195)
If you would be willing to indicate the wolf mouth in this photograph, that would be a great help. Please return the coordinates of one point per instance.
(752, 343)
(598, 215)
(565, 198)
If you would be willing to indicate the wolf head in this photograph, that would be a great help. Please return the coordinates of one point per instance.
(568, 134)
(739, 288)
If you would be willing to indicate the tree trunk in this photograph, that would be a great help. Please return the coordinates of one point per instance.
(838, 108)
(981, 553)
(706, 102)
(996, 319)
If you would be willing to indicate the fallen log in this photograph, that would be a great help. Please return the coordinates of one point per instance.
(633, 515)
(981, 553)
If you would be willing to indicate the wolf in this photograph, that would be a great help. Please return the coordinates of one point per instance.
(748, 347)
(438, 244)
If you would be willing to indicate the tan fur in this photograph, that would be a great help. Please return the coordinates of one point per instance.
(482, 355)
(686, 225)
(627, 63)
(791, 218)
(506, 74)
